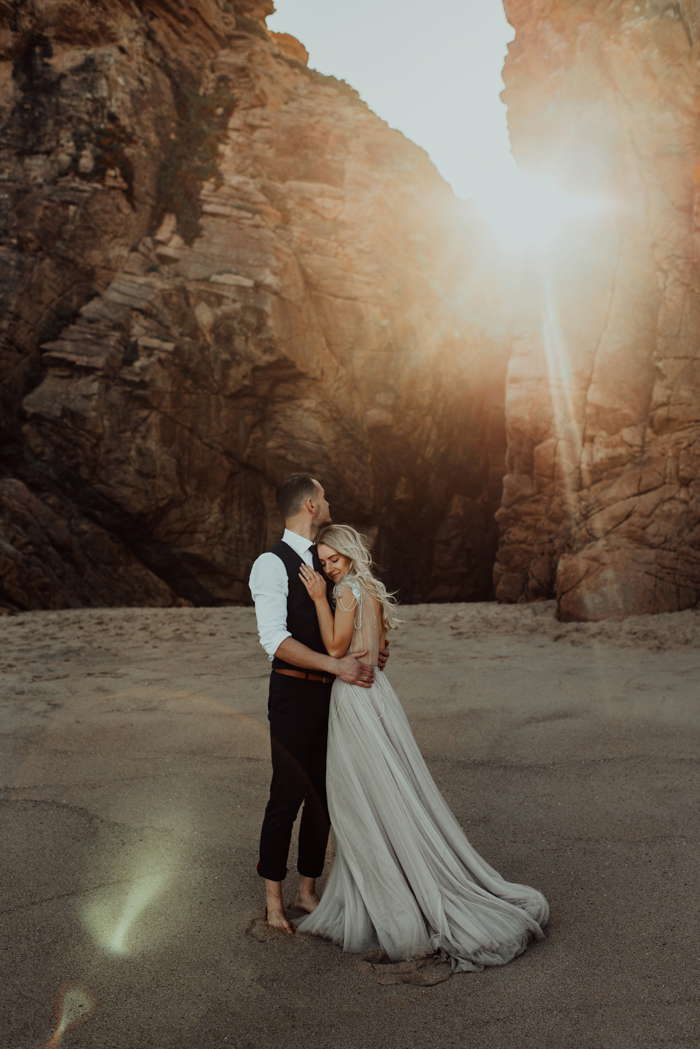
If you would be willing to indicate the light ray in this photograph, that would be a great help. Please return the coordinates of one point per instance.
(560, 375)
(568, 431)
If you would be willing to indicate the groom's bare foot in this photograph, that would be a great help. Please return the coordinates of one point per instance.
(306, 898)
(306, 902)
(276, 918)
(274, 911)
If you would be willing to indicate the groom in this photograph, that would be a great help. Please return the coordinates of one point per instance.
(300, 688)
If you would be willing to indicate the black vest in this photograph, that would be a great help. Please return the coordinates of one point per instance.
(302, 621)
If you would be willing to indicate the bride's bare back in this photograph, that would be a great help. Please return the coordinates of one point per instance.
(369, 631)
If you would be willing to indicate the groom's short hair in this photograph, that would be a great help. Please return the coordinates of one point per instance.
(292, 493)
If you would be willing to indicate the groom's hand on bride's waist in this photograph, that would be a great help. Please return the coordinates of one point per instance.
(383, 655)
(351, 669)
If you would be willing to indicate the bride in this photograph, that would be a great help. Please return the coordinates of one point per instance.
(405, 879)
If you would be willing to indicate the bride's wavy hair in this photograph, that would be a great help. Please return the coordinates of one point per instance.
(352, 545)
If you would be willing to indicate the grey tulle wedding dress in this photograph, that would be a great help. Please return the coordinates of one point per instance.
(405, 880)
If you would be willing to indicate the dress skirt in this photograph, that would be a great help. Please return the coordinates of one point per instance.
(405, 879)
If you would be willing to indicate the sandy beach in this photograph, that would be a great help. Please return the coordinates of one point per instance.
(134, 776)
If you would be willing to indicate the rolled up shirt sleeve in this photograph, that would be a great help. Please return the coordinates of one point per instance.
(269, 588)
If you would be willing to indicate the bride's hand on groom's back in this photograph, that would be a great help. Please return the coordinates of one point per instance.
(351, 670)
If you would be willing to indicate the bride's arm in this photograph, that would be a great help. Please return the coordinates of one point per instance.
(336, 631)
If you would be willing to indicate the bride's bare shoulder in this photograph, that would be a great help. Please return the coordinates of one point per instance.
(348, 590)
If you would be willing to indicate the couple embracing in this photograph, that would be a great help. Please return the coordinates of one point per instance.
(404, 880)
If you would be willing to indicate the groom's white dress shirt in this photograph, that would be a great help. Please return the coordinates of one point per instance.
(269, 586)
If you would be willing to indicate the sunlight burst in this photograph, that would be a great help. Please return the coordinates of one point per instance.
(531, 210)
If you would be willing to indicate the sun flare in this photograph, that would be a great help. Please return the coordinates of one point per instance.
(531, 210)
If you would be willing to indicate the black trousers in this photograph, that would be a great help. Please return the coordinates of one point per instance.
(298, 715)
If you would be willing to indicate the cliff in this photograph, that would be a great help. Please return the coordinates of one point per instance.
(601, 501)
(218, 266)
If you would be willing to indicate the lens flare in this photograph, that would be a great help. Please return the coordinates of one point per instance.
(137, 900)
(120, 917)
(127, 910)
(74, 1005)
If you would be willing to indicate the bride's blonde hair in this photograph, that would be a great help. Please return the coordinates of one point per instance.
(352, 545)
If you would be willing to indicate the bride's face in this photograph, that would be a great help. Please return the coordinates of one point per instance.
(335, 565)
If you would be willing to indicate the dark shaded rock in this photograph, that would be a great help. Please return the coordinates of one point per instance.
(52, 557)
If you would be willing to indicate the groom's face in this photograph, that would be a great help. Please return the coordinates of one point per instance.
(322, 513)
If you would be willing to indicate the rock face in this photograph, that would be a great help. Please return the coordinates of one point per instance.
(601, 501)
(218, 266)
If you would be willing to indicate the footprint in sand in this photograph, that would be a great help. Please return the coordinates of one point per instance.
(421, 972)
(261, 931)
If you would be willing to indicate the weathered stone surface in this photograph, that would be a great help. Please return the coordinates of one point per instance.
(219, 266)
(90, 98)
(601, 502)
(290, 46)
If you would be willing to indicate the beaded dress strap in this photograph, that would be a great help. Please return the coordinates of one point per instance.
(356, 590)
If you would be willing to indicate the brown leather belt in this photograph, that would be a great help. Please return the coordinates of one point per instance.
(306, 675)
